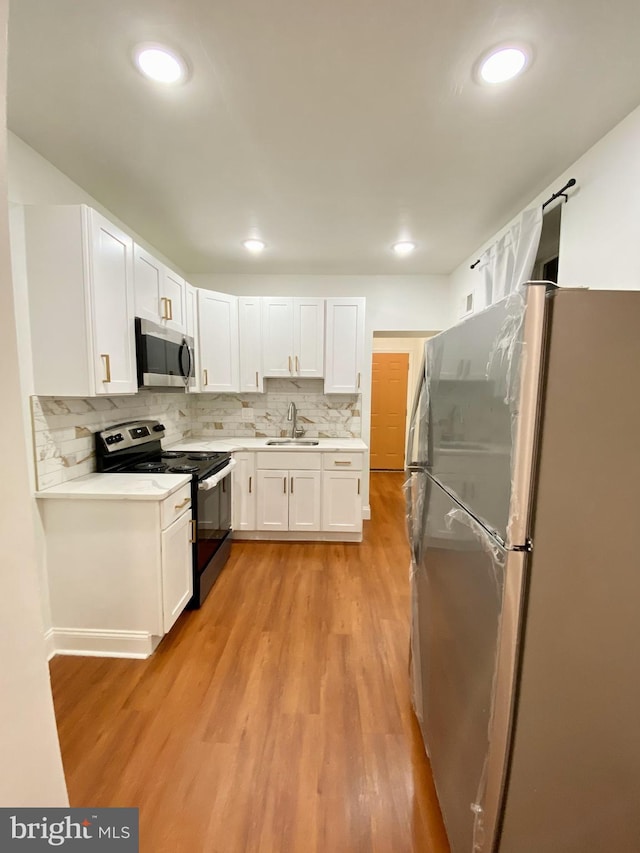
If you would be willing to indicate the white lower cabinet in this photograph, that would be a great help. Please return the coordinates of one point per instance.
(312, 492)
(341, 501)
(244, 492)
(119, 571)
(177, 569)
(288, 500)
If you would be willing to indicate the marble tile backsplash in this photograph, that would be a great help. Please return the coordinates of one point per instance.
(63, 429)
(265, 415)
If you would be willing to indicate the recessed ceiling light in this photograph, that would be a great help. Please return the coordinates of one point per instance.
(403, 248)
(160, 64)
(254, 246)
(503, 64)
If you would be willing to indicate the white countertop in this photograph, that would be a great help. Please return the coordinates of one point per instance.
(229, 444)
(132, 487)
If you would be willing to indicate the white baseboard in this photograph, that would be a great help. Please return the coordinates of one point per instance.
(105, 643)
(49, 644)
(366, 513)
(296, 536)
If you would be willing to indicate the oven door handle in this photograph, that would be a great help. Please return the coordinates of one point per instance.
(212, 481)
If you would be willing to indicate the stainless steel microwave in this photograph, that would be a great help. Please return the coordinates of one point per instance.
(165, 358)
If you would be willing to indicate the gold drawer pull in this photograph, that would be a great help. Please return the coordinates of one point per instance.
(256, 378)
(290, 371)
(250, 482)
(358, 380)
(358, 485)
(194, 531)
(292, 485)
(284, 485)
(206, 377)
(297, 365)
(184, 503)
(170, 317)
(165, 308)
(107, 366)
(337, 462)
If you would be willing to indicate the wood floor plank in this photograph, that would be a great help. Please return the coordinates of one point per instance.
(277, 718)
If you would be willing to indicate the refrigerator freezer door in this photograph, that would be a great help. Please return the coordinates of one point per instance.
(481, 391)
(468, 634)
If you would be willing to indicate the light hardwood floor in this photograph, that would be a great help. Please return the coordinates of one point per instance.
(276, 719)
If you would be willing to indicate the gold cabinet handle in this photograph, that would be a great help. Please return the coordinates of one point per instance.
(256, 378)
(284, 485)
(206, 376)
(224, 486)
(338, 462)
(358, 380)
(170, 301)
(194, 531)
(358, 485)
(165, 308)
(184, 503)
(250, 484)
(107, 366)
(292, 485)
(290, 371)
(297, 365)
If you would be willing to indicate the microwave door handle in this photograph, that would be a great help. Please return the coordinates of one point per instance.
(185, 375)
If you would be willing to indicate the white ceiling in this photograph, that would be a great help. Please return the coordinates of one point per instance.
(329, 128)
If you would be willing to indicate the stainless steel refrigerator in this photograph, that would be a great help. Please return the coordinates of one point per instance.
(523, 505)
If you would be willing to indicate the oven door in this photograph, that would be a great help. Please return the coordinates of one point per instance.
(165, 359)
(213, 516)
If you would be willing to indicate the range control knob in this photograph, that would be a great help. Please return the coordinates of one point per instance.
(159, 428)
(118, 437)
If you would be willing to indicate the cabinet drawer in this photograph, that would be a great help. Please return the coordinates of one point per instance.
(289, 460)
(342, 461)
(175, 505)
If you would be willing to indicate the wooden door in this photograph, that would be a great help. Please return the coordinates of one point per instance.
(389, 378)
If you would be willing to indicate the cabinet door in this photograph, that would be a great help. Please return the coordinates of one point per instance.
(177, 569)
(308, 337)
(244, 492)
(250, 332)
(344, 345)
(112, 306)
(341, 501)
(272, 500)
(218, 334)
(277, 336)
(304, 500)
(147, 281)
(174, 291)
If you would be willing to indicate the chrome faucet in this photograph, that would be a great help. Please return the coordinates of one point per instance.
(292, 415)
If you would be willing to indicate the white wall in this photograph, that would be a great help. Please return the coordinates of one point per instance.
(30, 764)
(600, 230)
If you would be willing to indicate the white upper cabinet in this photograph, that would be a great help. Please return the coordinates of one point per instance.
(344, 345)
(277, 336)
(218, 342)
(293, 336)
(81, 302)
(250, 331)
(160, 293)
(308, 337)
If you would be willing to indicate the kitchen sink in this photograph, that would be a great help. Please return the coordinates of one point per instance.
(299, 442)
